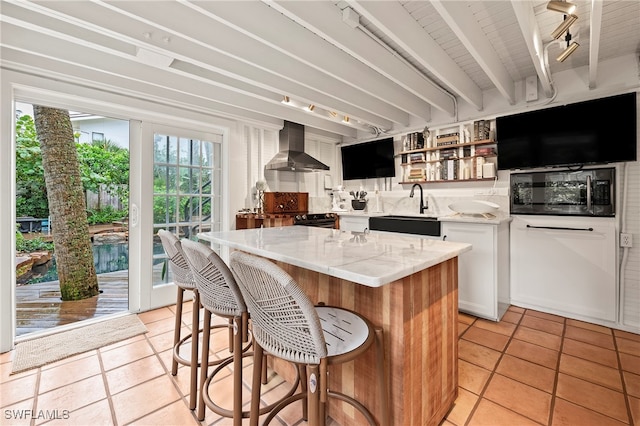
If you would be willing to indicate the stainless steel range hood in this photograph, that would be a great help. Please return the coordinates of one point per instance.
(292, 157)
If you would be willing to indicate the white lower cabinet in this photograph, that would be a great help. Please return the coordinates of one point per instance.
(483, 272)
(565, 266)
(354, 223)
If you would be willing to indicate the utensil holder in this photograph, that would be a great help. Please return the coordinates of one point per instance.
(358, 204)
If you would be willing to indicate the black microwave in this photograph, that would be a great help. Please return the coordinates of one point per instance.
(564, 192)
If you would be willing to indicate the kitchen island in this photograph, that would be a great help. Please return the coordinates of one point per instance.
(405, 284)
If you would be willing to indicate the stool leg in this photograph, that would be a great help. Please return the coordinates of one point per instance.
(323, 383)
(313, 394)
(245, 327)
(302, 371)
(382, 378)
(195, 334)
(237, 371)
(178, 326)
(264, 370)
(204, 371)
(256, 385)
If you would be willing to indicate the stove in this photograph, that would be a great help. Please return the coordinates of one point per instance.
(320, 220)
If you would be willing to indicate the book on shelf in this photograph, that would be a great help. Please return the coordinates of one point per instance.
(481, 130)
(452, 169)
(414, 140)
(449, 170)
(447, 135)
(416, 157)
(447, 139)
(416, 174)
(478, 168)
(485, 151)
(449, 153)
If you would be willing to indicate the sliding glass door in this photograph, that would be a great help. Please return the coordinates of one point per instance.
(97, 151)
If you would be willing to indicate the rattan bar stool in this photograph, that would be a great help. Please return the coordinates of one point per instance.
(184, 281)
(287, 325)
(220, 295)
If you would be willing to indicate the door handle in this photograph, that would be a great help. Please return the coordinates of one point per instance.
(560, 228)
(134, 214)
(589, 194)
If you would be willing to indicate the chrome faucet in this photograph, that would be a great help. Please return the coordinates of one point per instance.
(423, 206)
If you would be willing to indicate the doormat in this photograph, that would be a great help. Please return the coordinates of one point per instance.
(45, 350)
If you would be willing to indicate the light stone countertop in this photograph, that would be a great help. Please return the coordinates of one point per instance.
(373, 259)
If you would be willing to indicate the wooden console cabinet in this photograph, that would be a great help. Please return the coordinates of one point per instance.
(255, 220)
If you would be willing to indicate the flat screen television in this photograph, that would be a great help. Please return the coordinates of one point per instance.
(368, 160)
(593, 132)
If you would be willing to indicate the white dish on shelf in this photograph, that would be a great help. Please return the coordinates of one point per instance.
(474, 207)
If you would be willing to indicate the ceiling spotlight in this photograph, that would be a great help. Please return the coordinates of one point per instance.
(310, 108)
(564, 26)
(345, 119)
(562, 7)
(285, 100)
(333, 114)
(568, 51)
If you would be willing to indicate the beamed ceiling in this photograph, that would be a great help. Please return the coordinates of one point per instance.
(387, 65)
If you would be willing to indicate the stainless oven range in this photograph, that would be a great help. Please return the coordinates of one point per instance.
(320, 220)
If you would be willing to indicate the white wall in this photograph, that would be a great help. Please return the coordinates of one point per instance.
(630, 258)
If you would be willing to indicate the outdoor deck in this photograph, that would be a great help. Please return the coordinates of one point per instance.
(38, 306)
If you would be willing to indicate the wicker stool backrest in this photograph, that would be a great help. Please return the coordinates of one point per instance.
(219, 292)
(177, 262)
(284, 321)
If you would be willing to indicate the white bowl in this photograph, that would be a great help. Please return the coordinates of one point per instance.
(474, 207)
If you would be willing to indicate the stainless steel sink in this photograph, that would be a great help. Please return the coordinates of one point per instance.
(419, 225)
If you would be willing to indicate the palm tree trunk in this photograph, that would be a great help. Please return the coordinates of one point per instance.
(72, 243)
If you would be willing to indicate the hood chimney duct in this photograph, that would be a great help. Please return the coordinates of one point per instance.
(291, 156)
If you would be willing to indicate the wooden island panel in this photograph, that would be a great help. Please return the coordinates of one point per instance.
(419, 317)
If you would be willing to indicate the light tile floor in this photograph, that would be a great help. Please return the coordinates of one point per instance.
(530, 368)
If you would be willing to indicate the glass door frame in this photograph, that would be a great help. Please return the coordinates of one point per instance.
(141, 217)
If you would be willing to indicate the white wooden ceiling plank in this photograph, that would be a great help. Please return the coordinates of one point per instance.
(270, 27)
(466, 28)
(508, 42)
(325, 19)
(398, 24)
